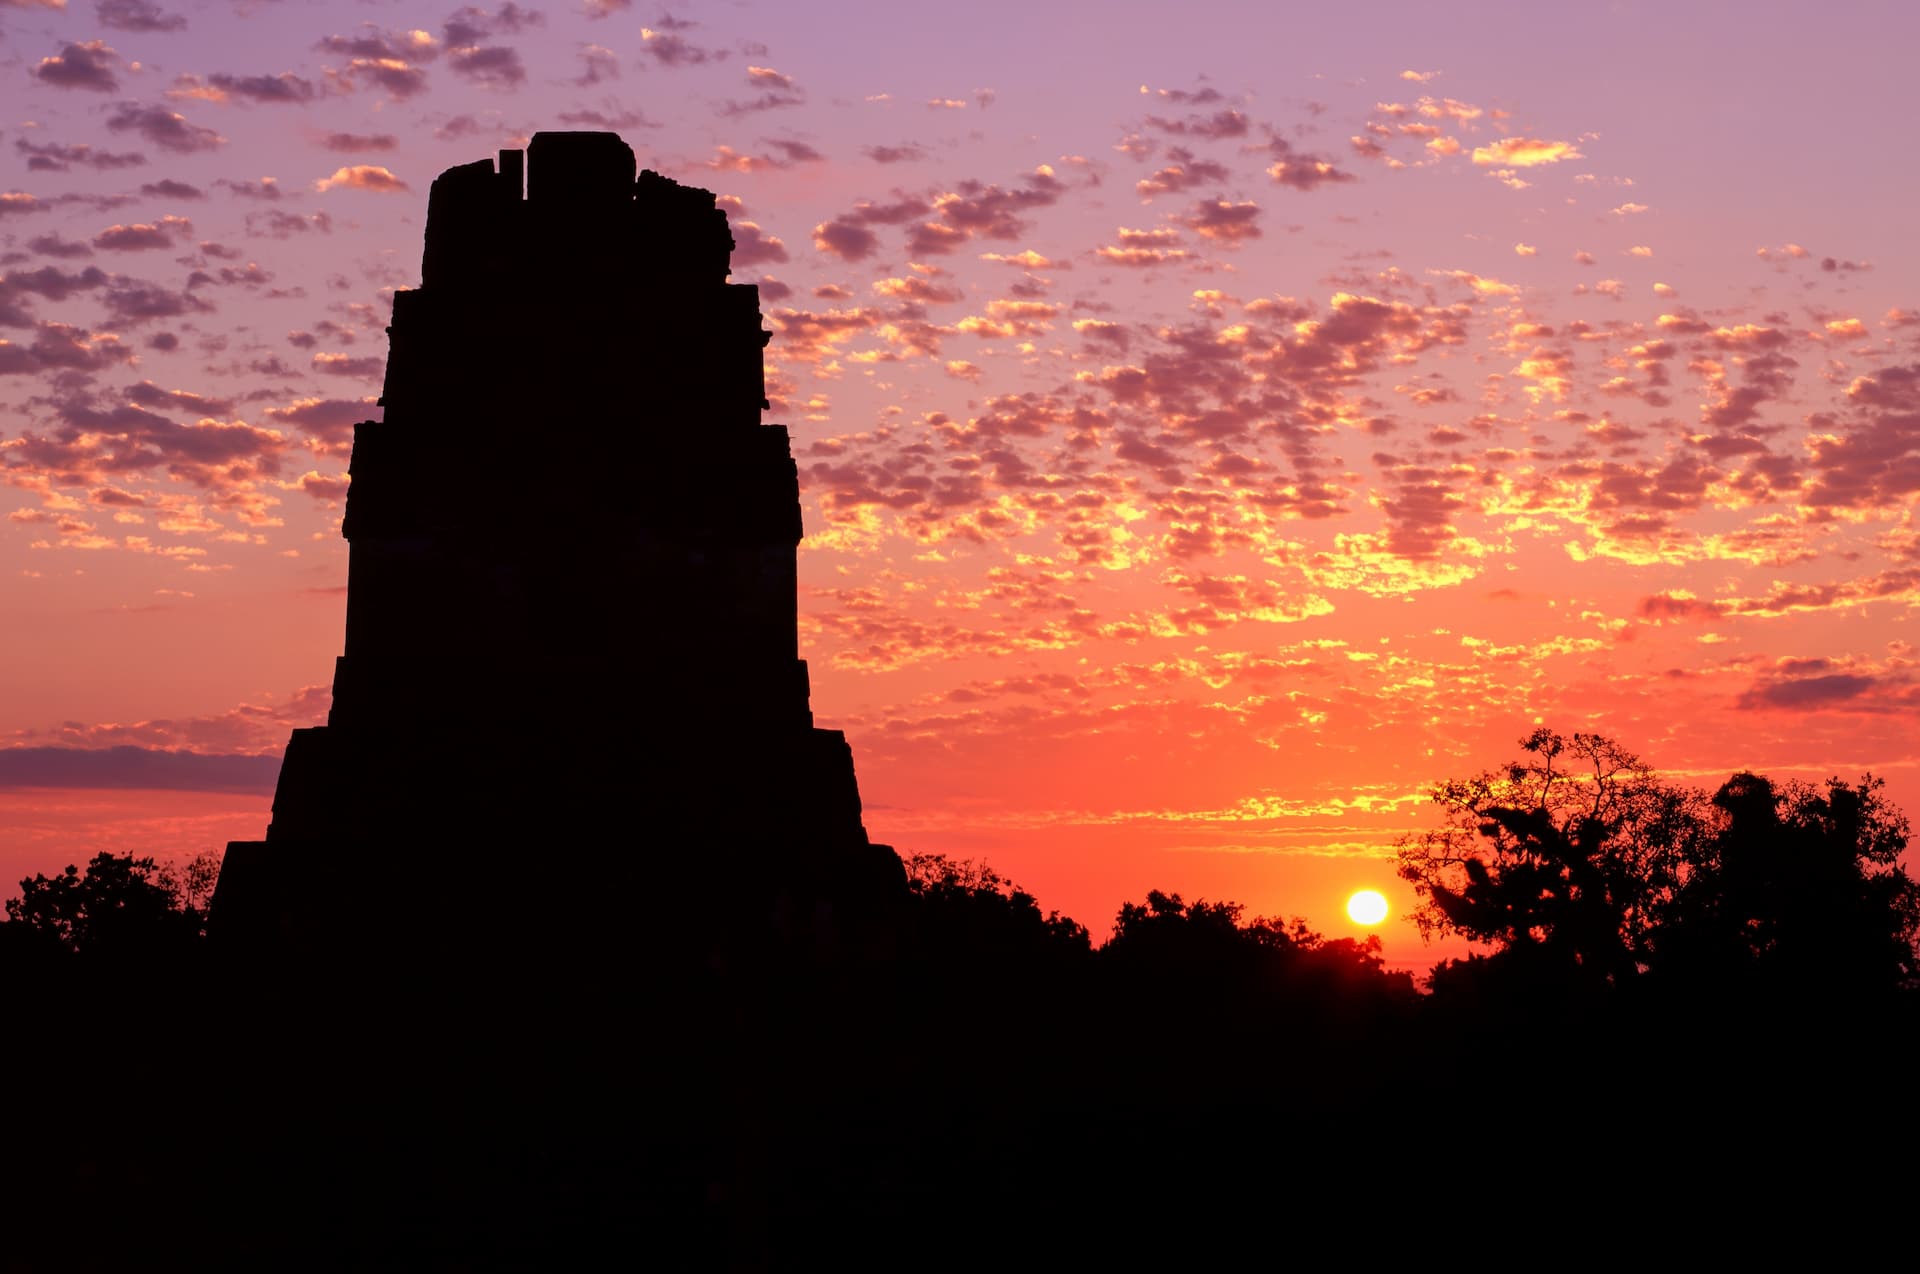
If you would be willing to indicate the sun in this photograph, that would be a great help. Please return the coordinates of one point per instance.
(1367, 907)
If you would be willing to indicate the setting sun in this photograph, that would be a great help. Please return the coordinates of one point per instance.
(1368, 907)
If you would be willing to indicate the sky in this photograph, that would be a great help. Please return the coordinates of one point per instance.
(1216, 424)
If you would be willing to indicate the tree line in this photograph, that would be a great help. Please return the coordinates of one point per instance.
(1576, 868)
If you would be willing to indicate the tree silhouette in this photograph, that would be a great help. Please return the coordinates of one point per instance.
(120, 907)
(1799, 886)
(1204, 955)
(968, 902)
(1566, 859)
(1583, 870)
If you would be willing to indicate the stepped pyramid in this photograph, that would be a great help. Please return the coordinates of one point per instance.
(571, 650)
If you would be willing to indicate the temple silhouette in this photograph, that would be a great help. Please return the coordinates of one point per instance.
(571, 614)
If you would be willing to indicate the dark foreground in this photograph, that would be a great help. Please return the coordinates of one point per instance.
(955, 1081)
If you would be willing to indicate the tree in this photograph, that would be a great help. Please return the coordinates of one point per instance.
(121, 906)
(967, 904)
(1174, 951)
(1581, 868)
(1567, 858)
(1801, 886)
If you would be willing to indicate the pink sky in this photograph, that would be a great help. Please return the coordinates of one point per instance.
(1215, 427)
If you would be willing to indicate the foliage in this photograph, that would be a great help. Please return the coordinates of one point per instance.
(957, 896)
(1578, 864)
(1168, 947)
(121, 906)
(1800, 884)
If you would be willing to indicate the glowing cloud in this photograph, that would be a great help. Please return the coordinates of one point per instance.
(369, 177)
(1523, 152)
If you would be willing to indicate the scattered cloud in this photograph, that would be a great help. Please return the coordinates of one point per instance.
(1524, 152)
(368, 177)
(89, 66)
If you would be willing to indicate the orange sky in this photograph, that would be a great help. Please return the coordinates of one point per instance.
(1210, 436)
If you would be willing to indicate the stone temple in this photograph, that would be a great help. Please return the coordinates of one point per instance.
(571, 663)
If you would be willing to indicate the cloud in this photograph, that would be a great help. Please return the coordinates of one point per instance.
(141, 16)
(1875, 460)
(1184, 172)
(904, 154)
(284, 89)
(1523, 152)
(57, 157)
(148, 394)
(1806, 694)
(369, 177)
(1143, 248)
(1678, 606)
(847, 236)
(616, 120)
(169, 130)
(785, 155)
(97, 439)
(973, 208)
(366, 367)
(353, 143)
(1224, 222)
(792, 152)
(329, 419)
(1186, 97)
(52, 246)
(933, 239)
(329, 488)
(1307, 172)
(470, 25)
(378, 44)
(272, 223)
(131, 767)
(86, 66)
(389, 59)
(51, 282)
(54, 283)
(131, 302)
(1215, 127)
(1901, 584)
(494, 66)
(812, 336)
(596, 65)
(670, 49)
(1026, 259)
(142, 236)
(61, 346)
(777, 91)
(400, 79)
(1298, 170)
(168, 188)
(923, 291)
(752, 246)
(1420, 516)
